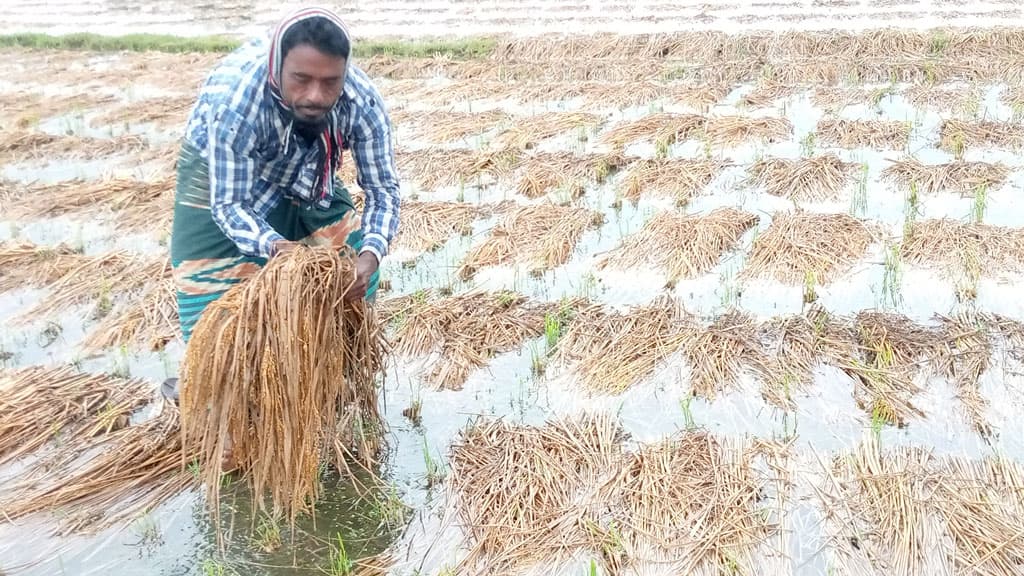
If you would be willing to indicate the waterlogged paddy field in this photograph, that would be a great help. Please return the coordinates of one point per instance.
(709, 304)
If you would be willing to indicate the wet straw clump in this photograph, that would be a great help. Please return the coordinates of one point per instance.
(282, 373)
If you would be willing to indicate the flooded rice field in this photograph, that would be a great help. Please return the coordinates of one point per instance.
(698, 303)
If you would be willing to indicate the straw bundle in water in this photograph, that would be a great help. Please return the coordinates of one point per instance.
(967, 354)
(23, 146)
(683, 246)
(964, 250)
(612, 351)
(540, 236)
(527, 132)
(958, 176)
(133, 470)
(466, 330)
(523, 493)
(38, 405)
(441, 126)
(543, 172)
(955, 136)
(428, 225)
(24, 264)
(795, 345)
(664, 128)
(285, 371)
(148, 321)
(959, 100)
(721, 352)
(163, 112)
(431, 168)
(114, 194)
(736, 130)
(767, 93)
(805, 179)
(883, 134)
(679, 179)
(835, 98)
(801, 243)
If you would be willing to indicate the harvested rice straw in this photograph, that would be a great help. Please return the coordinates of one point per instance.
(665, 128)
(115, 194)
(767, 93)
(149, 321)
(960, 100)
(804, 179)
(23, 264)
(835, 98)
(445, 94)
(284, 371)
(466, 330)
(737, 130)
(612, 351)
(138, 468)
(539, 236)
(690, 505)
(428, 225)
(431, 168)
(957, 176)
(884, 134)
(966, 356)
(795, 345)
(701, 96)
(964, 249)
(162, 112)
(679, 179)
(722, 351)
(799, 244)
(40, 404)
(1013, 96)
(527, 132)
(543, 172)
(524, 494)
(24, 146)
(684, 246)
(441, 126)
(21, 109)
(955, 136)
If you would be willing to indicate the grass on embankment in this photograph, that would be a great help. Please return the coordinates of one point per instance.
(454, 48)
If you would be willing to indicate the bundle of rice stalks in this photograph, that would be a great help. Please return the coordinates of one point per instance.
(162, 112)
(134, 469)
(664, 128)
(767, 93)
(149, 321)
(966, 356)
(684, 246)
(428, 225)
(527, 132)
(720, 353)
(955, 136)
(963, 250)
(432, 168)
(23, 146)
(441, 126)
(965, 101)
(737, 130)
(38, 405)
(801, 245)
(539, 236)
(884, 134)
(544, 172)
(22, 108)
(690, 505)
(523, 493)
(446, 93)
(958, 176)
(702, 95)
(804, 179)
(612, 351)
(284, 371)
(114, 194)
(678, 179)
(465, 330)
(795, 345)
(23, 264)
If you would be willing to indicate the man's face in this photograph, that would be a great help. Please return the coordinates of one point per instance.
(311, 82)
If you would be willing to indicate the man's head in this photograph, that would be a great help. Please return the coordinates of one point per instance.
(314, 54)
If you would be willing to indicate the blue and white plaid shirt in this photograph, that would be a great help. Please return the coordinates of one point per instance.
(238, 129)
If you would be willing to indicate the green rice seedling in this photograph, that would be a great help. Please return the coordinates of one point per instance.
(859, 199)
(807, 145)
(938, 42)
(390, 509)
(340, 563)
(435, 472)
(688, 420)
(911, 210)
(810, 281)
(268, 534)
(593, 568)
(892, 277)
(211, 567)
(980, 203)
(661, 148)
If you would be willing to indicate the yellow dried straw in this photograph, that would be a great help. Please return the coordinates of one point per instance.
(804, 179)
(664, 128)
(679, 179)
(541, 173)
(955, 136)
(527, 132)
(959, 176)
(883, 134)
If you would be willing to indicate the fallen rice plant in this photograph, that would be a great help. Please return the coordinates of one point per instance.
(883, 134)
(428, 225)
(678, 179)
(115, 194)
(664, 128)
(721, 352)
(137, 468)
(765, 94)
(149, 321)
(966, 101)
(544, 172)
(795, 344)
(466, 330)
(24, 146)
(440, 126)
(163, 112)
(966, 356)
(737, 130)
(955, 136)
(612, 351)
(798, 243)
(960, 248)
(23, 264)
(805, 179)
(835, 98)
(282, 334)
(21, 109)
(39, 405)
(431, 168)
(684, 246)
(958, 176)
(540, 236)
(527, 132)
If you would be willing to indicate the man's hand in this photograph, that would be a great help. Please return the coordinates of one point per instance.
(366, 265)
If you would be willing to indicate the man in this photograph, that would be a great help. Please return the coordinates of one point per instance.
(257, 169)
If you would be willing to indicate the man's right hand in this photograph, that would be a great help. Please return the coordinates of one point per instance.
(285, 246)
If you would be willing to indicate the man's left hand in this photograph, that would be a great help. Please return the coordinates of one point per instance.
(366, 265)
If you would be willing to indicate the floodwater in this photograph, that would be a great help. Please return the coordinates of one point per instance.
(177, 539)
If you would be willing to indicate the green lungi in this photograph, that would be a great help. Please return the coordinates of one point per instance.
(207, 263)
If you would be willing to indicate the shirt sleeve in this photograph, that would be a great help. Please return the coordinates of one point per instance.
(232, 181)
(374, 156)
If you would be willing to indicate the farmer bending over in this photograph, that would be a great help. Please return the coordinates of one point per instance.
(257, 169)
